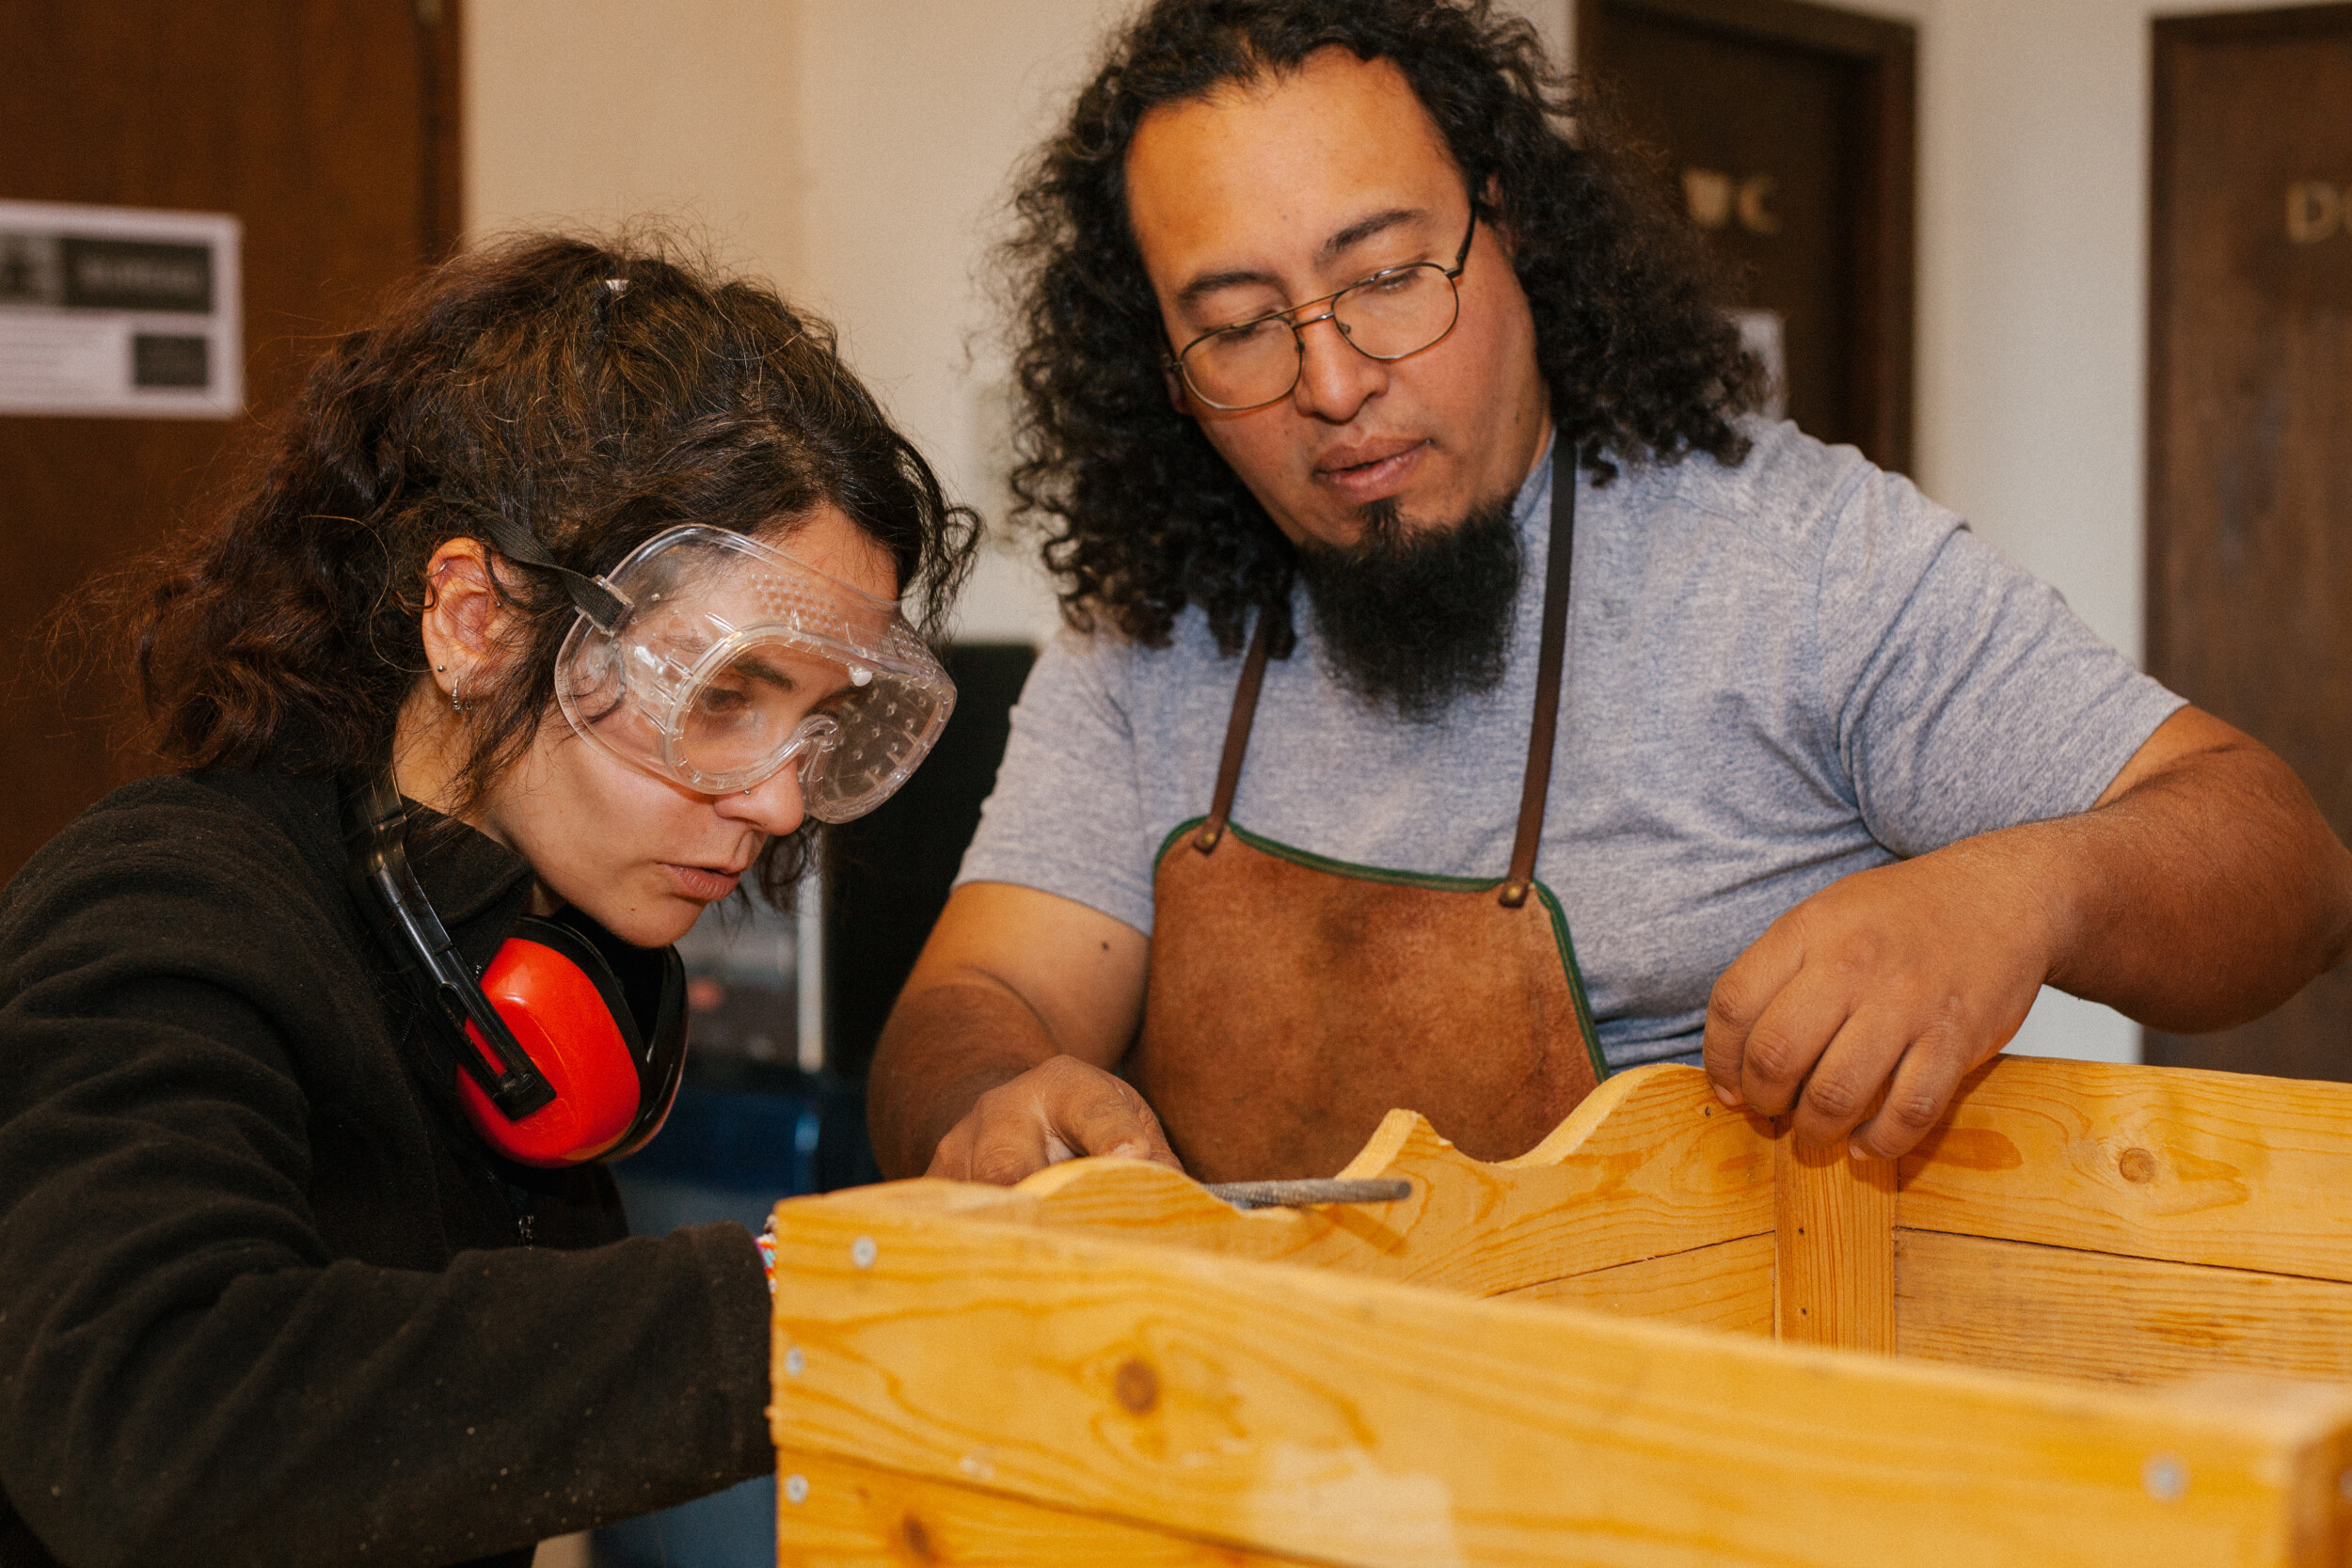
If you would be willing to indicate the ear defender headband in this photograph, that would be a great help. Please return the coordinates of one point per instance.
(567, 1048)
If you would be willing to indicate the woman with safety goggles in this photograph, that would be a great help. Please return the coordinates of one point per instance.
(566, 596)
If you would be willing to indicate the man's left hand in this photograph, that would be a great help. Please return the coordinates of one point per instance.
(2201, 890)
(1898, 979)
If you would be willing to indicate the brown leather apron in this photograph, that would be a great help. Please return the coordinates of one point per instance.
(1295, 999)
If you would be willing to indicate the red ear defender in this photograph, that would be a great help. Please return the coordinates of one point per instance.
(611, 1051)
(568, 1048)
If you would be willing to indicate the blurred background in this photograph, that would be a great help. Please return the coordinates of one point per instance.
(2081, 267)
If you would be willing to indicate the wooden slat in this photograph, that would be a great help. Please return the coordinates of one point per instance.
(852, 1516)
(2168, 1162)
(1834, 1257)
(1298, 1412)
(1650, 1165)
(1728, 1287)
(2095, 1315)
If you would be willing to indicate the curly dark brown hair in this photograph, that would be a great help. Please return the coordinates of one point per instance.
(595, 393)
(1142, 517)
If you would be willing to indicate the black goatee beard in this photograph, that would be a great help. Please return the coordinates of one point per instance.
(1412, 618)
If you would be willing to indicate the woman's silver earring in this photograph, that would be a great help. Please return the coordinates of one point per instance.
(457, 696)
(440, 669)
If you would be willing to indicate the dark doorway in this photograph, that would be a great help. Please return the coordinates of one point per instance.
(889, 872)
(330, 132)
(1788, 132)
(2249, 430)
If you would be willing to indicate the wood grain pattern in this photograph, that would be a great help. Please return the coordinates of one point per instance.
(1834, 1248)
(1728, 1287)
(1650, 1165)
(1307, 1413)
(2163, 1162)
(852, 1516)
(2101, 1318)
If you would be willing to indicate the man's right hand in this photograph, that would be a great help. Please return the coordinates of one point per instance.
(996, 1060)
(1058, 1110)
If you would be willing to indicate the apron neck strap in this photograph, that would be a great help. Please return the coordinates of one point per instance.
(1236, 739)
(1537, 787)
(1552, 653)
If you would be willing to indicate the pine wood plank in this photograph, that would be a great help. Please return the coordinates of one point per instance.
(1834, 1253)
(2163, 1162)
(2102, 1317)
(1304, 1413)
(852, 1516)
(1649, 1165)
(1726, 1287)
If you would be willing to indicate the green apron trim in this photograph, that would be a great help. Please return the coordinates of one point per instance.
(1313, 861)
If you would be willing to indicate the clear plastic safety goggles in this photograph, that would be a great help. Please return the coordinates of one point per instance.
(726, 661)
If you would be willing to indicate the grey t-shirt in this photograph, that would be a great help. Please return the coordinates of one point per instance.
(1777, 674)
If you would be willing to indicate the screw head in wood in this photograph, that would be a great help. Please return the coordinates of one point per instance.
(796, 1489)
(862, 1251)
(795, 1362)
(2165, 1477)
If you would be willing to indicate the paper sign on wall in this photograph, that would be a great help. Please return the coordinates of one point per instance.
(125, 311)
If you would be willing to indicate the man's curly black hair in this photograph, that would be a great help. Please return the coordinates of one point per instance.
(1142, 516)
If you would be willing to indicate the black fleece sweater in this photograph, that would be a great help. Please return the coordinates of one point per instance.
(264, 1297)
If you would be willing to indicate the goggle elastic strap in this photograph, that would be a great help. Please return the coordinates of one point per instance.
(597, 599)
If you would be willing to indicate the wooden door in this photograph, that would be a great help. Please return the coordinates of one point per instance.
(1789, 130)
(2249, 471)
(329, 129)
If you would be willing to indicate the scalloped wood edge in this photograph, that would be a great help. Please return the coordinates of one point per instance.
(1650, 1165)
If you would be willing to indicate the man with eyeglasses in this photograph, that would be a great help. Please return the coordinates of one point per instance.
(1467, 697)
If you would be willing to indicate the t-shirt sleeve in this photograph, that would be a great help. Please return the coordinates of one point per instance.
(1964, 694)
(1066, 816)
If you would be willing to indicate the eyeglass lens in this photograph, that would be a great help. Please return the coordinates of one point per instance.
(1386, 317)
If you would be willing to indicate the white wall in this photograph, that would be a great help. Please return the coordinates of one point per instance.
(592, 112)
(913, 114)
(859, 154)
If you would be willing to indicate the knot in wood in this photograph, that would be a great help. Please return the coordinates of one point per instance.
(918, 1540)
(2136, 1164)
(1137, 1385)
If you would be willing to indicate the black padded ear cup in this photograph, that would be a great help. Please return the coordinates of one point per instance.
(662, 1062)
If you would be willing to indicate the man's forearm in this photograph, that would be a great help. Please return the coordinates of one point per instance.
(943, 1047)
(2201, 897)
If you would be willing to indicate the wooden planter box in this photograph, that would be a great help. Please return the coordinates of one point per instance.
(2100, 1315)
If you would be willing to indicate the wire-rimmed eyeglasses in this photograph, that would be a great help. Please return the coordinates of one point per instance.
(1394, 312)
